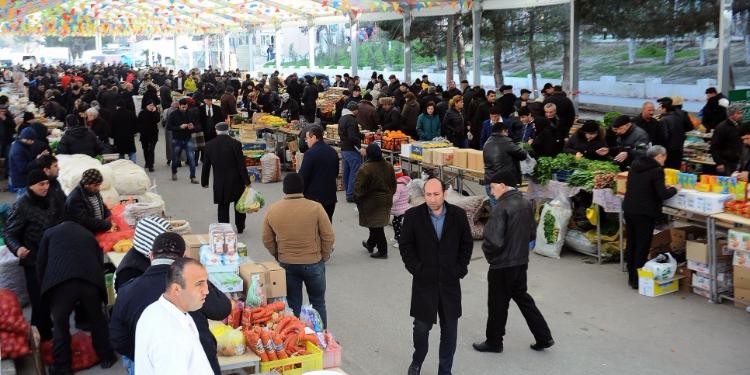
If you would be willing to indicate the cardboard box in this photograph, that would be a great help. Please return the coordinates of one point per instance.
(741, 259)
(738, 240)
(697, 250)
(721, 266)
(702, 292)
(622, 182)
(660, 242)
(703, 282)
(742, 297)
(443, 156)
(685, 275)
(742, 277)
(476, 160)
(649, 287)
(193, 243)
(273, 277)
(681, 235)
(461, 158)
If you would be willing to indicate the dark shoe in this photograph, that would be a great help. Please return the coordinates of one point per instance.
(169, 162)
(174, 176)
(193, 180)
(370, 249)
(60, 371)
(379, 255)
(151, 169)
(633, 285)
(240, 230)
(108, 363)
(413, 369)
(350, 200)
(486, 348)
(539, 346)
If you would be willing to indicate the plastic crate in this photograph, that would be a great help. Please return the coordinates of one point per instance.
(297, 365)
(562, 176)
(332, 357)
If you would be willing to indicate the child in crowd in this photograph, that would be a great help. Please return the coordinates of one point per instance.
(400, 202)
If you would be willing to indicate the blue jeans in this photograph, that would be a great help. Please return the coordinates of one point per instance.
(128, 364)
(352, 162)
(189, 147)
(131, 157)
(314, 278)
(493, 201)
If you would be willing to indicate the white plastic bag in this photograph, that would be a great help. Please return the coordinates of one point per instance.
(577, 240)
(663, 267)
(552, 227)
(528, 165)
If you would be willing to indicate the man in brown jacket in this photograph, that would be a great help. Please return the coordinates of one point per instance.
(368, 114)
(298, 233)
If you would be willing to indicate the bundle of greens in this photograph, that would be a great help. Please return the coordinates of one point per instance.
(584, 175)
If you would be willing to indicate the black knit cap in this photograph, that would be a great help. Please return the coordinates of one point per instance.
(35, 176)
(169, 243)
(506, 177)
(293, 184)
(590, 126)
(374, 152)
(620, 121)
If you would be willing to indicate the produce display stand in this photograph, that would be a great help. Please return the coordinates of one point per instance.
(241, 363)
(723, 221)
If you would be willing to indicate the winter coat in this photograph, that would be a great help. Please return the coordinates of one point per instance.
(7, 130)
(165, 96)
(549, 140)
(390, 120)
(68, 252)
(148, 125)
(401, 198)
(653, 127)
(123, 131)
(309, 96)
(177, 118)
(646, 190)
(726, 144)
(635, 142)
(101, 128)
(454, 125)
(713, 113)
(133, 264)
(501, 153)
(224, 154)
(508, 231)
(79, 209)
(138, 294)
(374, 187)
(228, 104)
(566, 112)
(428, 126)
(578, 143)
(190, 85)
(349, 132)
(409, 117)
(367, 116)
(149, 97)
(80, 140)
(57, 199)
(208, 124)
(29, 217)
(437, 265)
(507, 104)
(20, 162)
(319, 170)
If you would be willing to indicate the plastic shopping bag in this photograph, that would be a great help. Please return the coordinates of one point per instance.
(250, 201)
(553, 225)
(527, 166)
(663, 267)
(230, 342)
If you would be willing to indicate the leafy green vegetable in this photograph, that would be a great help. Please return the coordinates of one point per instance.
(549, 228)
(608, 117)
(584, 169)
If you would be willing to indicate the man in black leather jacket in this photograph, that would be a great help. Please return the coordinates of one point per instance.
(506, 247)
(500, 153)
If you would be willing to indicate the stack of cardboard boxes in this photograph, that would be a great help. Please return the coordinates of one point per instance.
(697, 255)
(739, 242)
(469, 159)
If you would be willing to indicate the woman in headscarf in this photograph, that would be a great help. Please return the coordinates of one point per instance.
(374, 187)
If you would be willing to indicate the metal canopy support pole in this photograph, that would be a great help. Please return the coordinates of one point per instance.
(725, 35)
(312, 33)
(251, 48)
(174, 49)
(449, 50)
(277, 47)
(354, 35)
(98, 39)
(206, 52)
(225, 66)
(407, 44)
(575, 28)
(476, 21)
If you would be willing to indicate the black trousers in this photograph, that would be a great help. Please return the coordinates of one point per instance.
(506, 284)
(239, 219)
(330, 208)
(148, 152)
(674, 159)
(39, 310)
(377, 238)
(640, 231)
(63, 299)
(448, 337)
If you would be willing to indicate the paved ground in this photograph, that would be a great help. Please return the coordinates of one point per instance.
(600, 325)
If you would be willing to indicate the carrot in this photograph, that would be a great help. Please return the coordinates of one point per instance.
(270, 348)
(279, 346)
(258, 348)
(313, 338)
(283, 323)
(277, 306)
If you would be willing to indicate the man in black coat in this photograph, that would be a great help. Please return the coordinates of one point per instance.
(646, 121)
(642, 205)
(209, 115)
(139, 293)
(566, 111)
(506, 247)
(309, 96)
(631, 143)
(674, 132)
(57, 198)
(726, 144)
(224, 154)
(507, 102)
(319, 170)
(148, 127)
(165, 95)
(713, 113)
(436, 247)
(500, 153)
(71, 272)
(85, 205)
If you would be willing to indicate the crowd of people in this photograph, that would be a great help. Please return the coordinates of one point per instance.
(165, 300)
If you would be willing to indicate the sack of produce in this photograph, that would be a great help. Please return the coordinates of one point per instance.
(250, 201)
(271, 168)
(229, 341)
(553, 225)
(11, 315)
(11, 275)
(577, 240)
(129, 178)
(663, 267)
(82, 350)
(73, 166)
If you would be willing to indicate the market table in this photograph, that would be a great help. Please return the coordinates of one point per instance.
(240, 362)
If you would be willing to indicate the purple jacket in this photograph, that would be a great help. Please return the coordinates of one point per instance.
(401, 198)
